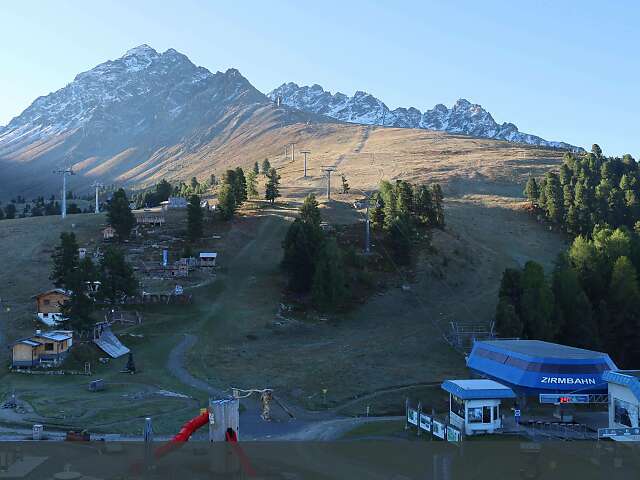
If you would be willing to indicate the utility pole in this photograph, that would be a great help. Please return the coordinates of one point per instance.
(97, 186)
(293, 151)
(367, 226)
(305, 153)
(367, 241)
(328, 171)
(64, 172)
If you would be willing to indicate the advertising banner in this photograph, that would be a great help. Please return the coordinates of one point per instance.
(412, 416)
(425, 422)
(439, 429)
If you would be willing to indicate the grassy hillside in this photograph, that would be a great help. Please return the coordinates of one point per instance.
(241, 340)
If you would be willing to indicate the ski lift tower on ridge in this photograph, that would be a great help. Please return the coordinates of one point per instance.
(64, 172)
(328, 170)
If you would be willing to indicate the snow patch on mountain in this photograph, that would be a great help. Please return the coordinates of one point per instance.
(128, 95)
(463, 118)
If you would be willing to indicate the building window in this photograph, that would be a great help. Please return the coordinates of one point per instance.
(495, 413)
(622, 412)
(475, 415)
(48, 347)
(486, 414)
(457, 406)
(46, 301)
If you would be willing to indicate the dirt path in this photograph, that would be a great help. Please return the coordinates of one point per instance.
(175, 366)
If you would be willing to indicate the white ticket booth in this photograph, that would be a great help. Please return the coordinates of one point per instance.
(474, 405)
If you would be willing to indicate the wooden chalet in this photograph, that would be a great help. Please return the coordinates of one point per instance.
(41, 349)
(50, 301)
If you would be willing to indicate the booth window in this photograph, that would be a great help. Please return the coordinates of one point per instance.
(457, 406)
(475, 415)
(621, 412)
(486, 414)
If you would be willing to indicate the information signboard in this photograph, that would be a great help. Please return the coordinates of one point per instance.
(564, 398)
(453, 434)
(412, 416)
(438, 429)
(618, 432)
(425, 422)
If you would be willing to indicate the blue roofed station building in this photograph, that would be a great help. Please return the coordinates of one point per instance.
(534, 367)
(474, 404)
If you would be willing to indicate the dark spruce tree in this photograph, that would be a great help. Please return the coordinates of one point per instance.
(194, 218)
(65, 261)
(116, 276)
(120, 216)
(272, 190)
(329, 281)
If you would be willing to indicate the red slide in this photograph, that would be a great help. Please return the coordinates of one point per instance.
(194, 424)
(184, 434)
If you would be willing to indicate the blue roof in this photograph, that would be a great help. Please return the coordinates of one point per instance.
(544, 351)
(477, 389)
(532, 367)
(626, 378)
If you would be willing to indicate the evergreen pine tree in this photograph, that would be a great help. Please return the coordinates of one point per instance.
(537, 304)
(271, 190)
(119, 215)
(116, 276)
(376, 211)
(438, 205)
(624, 303)
(310, 211)
(252, 184)
(301, 245)
(531, 191)
(266, 166)
(329, 282)
(241, 186)
(555, 198)
(226, 201)
(508, 322)
(424, 208)
(194, 218)
(400, 240)
(65, 261)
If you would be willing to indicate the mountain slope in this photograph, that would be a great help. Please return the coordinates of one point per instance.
(147, 115)
(117, 121)
(464, 117)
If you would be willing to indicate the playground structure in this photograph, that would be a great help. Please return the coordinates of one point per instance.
(266, 397)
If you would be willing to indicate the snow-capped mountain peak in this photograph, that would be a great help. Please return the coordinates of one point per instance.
(127, 94)
(463, 117)
(143, 51)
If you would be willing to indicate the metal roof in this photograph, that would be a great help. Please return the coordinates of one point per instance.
(532, 367)
(626, 378)
(110, 344)
(539, 349)
(56, 336)
(475, 389)
(27, 341)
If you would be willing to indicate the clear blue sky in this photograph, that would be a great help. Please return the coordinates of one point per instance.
(564, 70)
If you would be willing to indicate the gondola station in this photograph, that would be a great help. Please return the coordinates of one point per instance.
(513, 375)
(534, 367)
